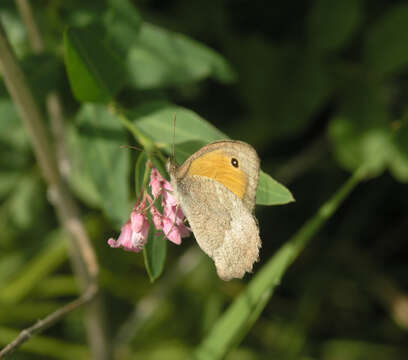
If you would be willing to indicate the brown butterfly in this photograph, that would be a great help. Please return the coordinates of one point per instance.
(216, 188)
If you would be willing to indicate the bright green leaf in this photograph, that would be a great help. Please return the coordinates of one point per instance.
(95, 71)
(155, 252)
(157, 121)
(270, 192)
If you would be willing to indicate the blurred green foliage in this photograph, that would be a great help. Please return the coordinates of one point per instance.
(318, 88)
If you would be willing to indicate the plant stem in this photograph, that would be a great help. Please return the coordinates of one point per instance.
(145, 141)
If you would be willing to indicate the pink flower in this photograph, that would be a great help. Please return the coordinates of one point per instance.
(173, 224)
(171, 231)
(156, 182)
(134, 233)
(157, 217)
(172, 219)
(168, 199)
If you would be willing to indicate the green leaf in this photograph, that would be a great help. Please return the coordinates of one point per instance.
(192, 132)
(185, 149)
(159, 57)
(95, 71)
(101, 136)
(270, 192)
(386, 50)
(155, 252)
(159, 163)
(332, 23)
(157, 121)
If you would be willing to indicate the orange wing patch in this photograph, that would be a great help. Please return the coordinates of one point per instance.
(217, 165)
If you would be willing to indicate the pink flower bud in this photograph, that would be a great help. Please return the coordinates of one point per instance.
(157, 218)
(156, 182)
(171, 231)
(134, 233)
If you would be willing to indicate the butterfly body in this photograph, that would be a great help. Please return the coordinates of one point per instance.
(216, 189)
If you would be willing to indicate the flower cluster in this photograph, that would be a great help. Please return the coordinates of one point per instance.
(135, 232)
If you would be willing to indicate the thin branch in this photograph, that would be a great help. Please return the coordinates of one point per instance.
(59, 194)
(33, 32)
(45, 323)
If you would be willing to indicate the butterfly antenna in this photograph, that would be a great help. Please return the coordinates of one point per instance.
(174, 137)
(131, 147)
(135, 148)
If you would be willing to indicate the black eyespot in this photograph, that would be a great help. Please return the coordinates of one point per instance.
(234, 162)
